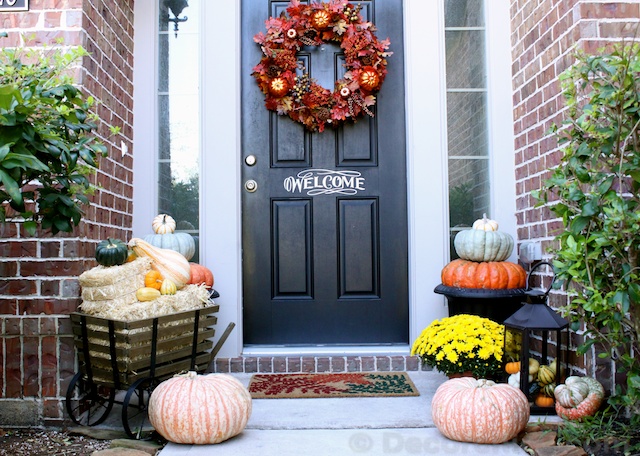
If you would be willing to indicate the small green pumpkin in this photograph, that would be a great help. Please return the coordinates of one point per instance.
(111, 252)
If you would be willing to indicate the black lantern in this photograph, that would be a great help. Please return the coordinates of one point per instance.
(176, 7)
(527, 339)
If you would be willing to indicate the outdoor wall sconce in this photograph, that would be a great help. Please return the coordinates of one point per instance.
(176, 7)
(527, 334)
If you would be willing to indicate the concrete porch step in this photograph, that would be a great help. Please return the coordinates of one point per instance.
(344, 426)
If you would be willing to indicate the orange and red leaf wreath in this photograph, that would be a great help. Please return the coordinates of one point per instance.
(287, 86)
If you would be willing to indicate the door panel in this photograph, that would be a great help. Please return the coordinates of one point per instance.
(325, 233)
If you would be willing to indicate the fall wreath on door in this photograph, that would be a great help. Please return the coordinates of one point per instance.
(288, 88)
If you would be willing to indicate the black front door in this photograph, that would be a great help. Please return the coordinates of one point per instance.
(324, 267)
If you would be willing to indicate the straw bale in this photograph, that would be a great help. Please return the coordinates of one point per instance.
(117, 284)
(191, 297)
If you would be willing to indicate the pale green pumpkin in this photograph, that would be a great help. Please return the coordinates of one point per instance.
(479, 245)
(179, 242)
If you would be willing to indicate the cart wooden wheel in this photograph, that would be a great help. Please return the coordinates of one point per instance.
(135, 416)
(88, 404)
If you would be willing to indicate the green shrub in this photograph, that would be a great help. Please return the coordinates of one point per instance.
(47, 149)
(595, 190)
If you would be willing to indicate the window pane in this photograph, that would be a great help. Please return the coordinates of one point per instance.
(463, 13)
(465, 59)
(468, 190)
(467, 124)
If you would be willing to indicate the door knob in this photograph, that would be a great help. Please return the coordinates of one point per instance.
(251, 186)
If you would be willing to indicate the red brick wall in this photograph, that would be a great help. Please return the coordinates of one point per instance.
(38, 275)
(542, 38)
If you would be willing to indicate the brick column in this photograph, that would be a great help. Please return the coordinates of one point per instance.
(544, 35)
(38, 275)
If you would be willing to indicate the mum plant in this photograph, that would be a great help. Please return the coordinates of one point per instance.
(462, 344)
(596, 191)
(47, 150)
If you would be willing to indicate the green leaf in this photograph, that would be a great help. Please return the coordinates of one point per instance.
(30, 227)
(578, 224)
(11, 187)
(634, 292)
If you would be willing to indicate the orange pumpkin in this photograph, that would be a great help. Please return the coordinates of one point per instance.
(320, 19)
(201, 275)
(491, 274)
(369, 79)
(279, 87)
(153, 279)
(542, 400)
(479, 411)
(512, 367)
(199, 409)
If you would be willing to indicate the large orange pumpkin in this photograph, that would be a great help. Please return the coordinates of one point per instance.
(479, 411)
(491, 274)
(201, 275)
(199, 409)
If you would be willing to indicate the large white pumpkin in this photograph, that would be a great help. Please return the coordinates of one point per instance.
(479, 411)
(199, 409)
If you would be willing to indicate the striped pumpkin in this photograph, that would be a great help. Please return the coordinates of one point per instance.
(491, 275)
(199, 409)
(578, 397)
(169, 263)
(479, 411)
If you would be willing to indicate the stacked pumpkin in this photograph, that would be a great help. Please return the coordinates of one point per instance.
(170, 253)
(483, 251)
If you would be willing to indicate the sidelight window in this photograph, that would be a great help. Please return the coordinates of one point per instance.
(467, 114)
(178, 101)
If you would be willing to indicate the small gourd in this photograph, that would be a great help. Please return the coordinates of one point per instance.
(145, 294)
(168, 287)
(111, 252)
(546, 375)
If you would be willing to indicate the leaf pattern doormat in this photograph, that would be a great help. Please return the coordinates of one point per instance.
(348, 384)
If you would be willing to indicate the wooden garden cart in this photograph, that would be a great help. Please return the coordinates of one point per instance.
(123, 361)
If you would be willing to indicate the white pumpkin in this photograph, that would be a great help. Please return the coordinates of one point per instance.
(163, 224)
(485, 224)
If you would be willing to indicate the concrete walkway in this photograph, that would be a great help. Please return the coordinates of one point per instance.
(345, 426)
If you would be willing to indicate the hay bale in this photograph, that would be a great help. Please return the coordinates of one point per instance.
(115, 285)
(191, 297)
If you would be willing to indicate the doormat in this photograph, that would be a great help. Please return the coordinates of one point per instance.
(348, 384)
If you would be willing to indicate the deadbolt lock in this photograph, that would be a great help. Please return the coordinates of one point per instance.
(250, 160)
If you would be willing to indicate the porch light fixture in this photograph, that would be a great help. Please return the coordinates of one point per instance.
(527, 331)
(176, 7)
